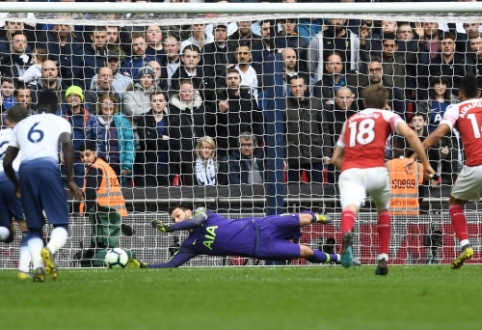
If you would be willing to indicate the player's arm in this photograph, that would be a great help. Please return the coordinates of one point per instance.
(68, 152)
(200, 215)
(10, 156)
(436, 135)
(181, 257)
(338, 156)
(414, 141)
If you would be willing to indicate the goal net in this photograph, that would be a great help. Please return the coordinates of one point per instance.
(239, 111)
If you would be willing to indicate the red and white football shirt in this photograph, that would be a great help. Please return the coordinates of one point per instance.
(466, 117)
(364, 138)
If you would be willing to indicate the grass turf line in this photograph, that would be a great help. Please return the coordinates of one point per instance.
(410, 297)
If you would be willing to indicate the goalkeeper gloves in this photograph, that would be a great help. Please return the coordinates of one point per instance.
(157, 224)
(135, 264)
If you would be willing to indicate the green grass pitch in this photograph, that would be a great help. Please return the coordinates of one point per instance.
(304, 298)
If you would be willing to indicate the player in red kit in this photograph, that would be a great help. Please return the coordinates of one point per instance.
(360, 153)
(466, 117)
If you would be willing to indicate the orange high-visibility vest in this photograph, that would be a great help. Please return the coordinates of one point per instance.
(109, 193)
(404, 187)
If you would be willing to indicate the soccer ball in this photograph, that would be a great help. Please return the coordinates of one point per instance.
(116, 258)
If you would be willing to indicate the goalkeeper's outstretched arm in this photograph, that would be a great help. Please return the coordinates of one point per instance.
(200, 216)
(179, 259)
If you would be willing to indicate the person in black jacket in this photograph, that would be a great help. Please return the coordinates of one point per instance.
(236, 111)
(336, 115)
(190, 69)
(216, 55)
(153, 130)
(189, 118)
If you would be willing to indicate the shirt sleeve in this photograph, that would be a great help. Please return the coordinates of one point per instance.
(392, 119)
(451, 115)
(181, 257)
(200, 216)
(13, 138)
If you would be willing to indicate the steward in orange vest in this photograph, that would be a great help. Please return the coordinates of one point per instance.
(101, 184)
(104, 202)
(404, 192)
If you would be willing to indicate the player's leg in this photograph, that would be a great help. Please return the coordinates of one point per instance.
(282, 249)
(318, 257)
(25, 258)
(6, 235)
(459, 224)
(378, 186)
(16, 212)
(352, 195)
(53, 201)
(29, 188)
(467, 187)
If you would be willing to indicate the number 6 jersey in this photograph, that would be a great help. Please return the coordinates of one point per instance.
(364, 138)
(37, 136)
(466, 117)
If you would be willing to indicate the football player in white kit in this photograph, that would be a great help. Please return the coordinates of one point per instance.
(10, 205)
(360, 153)
(40, 185)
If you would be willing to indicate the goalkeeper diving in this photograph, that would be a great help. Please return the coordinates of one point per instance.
(260, 238)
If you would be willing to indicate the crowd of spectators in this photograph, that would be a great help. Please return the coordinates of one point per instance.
(185, 104)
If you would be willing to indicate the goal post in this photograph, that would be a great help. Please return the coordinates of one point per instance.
(288, 143)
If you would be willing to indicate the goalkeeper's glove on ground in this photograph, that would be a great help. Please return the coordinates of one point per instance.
(157, 224)
(135, 264)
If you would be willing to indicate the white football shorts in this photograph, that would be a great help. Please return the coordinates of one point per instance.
(468, 184)
(355, 183)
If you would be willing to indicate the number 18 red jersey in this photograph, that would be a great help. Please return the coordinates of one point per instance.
(364, 138)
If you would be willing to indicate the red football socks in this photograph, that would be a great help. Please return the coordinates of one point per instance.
(383, 229)
(347, 221)
(459, 222)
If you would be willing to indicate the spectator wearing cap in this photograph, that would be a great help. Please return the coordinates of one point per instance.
(78, 116)
(130, 65)
(119, 81)
(103, 86)
(136, 100)
(93, 58)
(216, 55)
